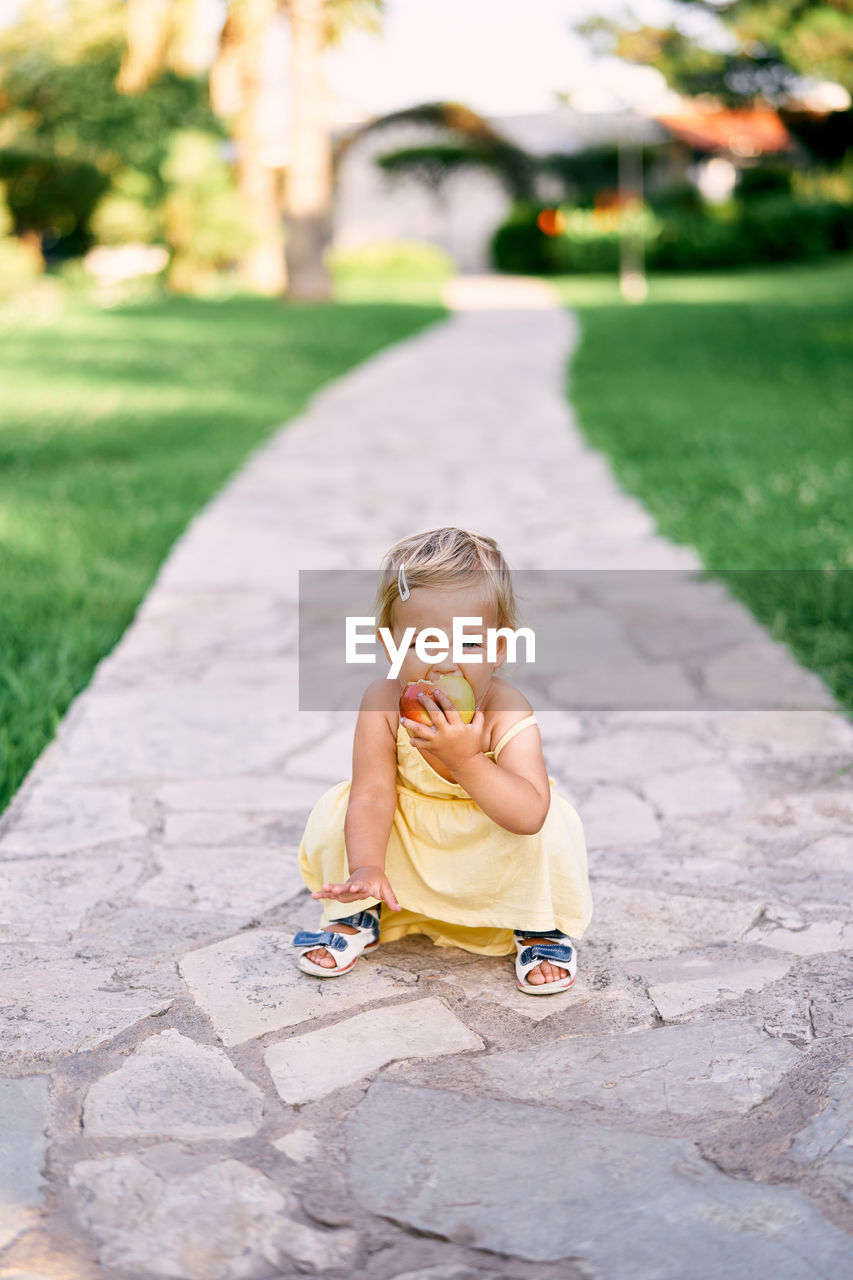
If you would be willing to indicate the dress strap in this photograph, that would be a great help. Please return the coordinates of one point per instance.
(511, 732)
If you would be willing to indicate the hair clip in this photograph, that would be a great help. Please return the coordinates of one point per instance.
(402, 584)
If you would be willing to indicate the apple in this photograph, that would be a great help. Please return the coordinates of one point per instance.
(457, 689)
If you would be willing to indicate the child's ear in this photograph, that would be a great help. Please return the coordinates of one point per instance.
(501, 653)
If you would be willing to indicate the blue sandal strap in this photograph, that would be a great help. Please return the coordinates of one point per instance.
(321, 938)
(361, 920)
(559, 955)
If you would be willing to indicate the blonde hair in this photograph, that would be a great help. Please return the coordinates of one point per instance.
(447, 557)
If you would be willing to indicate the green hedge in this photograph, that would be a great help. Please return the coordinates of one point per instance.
(774, 228)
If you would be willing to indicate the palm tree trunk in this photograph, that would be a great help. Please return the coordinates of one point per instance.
(148, 28)
(309, 173)
(236, 91)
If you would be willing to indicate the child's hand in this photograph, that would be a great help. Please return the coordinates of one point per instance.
(365, 882)
(448, 737)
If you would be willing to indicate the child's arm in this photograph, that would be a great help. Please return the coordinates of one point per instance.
(373, 793)
(516, 793)
(372, 802)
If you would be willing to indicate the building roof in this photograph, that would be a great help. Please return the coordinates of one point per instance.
(566, 130)
(748, 132)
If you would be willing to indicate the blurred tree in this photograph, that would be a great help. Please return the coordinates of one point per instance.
(471, 136)
(773, 43)
(203, 220)
(161, 35)
(236, 86)
(309, 172)
(59, 105)
(50, 196)
(313, 25)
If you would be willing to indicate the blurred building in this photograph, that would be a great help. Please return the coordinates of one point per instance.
(698, 145)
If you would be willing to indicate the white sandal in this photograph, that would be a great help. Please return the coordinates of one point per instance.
(559, 949)
(345, 948)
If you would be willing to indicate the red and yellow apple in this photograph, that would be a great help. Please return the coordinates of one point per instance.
(457, 689)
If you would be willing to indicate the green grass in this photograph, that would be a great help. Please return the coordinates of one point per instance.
(117, 426)
(725, 403)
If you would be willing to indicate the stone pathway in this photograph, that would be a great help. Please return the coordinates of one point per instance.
(177, 1099)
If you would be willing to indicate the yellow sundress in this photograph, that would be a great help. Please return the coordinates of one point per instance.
(460, 878)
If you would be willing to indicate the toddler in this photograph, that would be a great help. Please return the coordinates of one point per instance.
(455, 827)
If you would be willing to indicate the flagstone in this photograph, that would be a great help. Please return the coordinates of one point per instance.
(453, 1271)
(140, 930)
(221, 1220)
(299, 1145)
(693, 982)
(802, 819)
(245, 793)
(493, 981)
(635, 922)
(250, 985)
(616, 816)
(239, 879)
(448, 1164)
(54, 1003)
(630, 754)
(330, 761)
(624, 681)
(687, 1069)
(762, 674)
(310, 1066)
(23, 1150)
(815, 939)
(215, 621)
(825, 1144)
(182, 730)
(55, 820)
(218, 827)
(796, 733)
(711, 788)
(830, 854)
(44, 899)
(171, 1086)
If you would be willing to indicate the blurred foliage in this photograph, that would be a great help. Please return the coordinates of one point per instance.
(343, 15)
(519, 247)
(678, 198)
(392, 260)
(589, 241)
(467, 130)
(50, 194)
(827, 139)
(66, 131)
(825, 183)
(584, 174)
(19, 262)
(774, 42)
(764, 180)
(434, 165)
(203, 221)
(770, 228)
(128, 213)
(57, 90)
